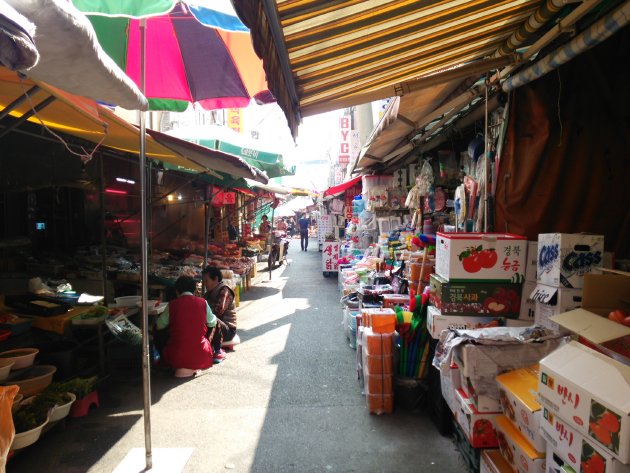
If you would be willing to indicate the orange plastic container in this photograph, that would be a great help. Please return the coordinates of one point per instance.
(415, 271)
(378, 384)
(380, 403)
(383, 323)
(377, 364)
(377, 343)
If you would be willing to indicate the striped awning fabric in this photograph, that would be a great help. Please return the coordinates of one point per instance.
(322, 56)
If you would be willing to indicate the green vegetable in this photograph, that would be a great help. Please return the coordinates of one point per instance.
(80, 387)
(29, 416)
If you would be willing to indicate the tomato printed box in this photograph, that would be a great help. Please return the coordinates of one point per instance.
(481, 256)
(479, 427)
(564, 258)
(475, 297)
(436, 322)
(580, 453)
(518, 394)
(591, 392)
(517, 450)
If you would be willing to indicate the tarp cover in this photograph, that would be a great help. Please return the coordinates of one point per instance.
(71, 57)
(17, 49)
(566, 159)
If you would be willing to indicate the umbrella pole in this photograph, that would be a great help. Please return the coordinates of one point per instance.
(146, 372)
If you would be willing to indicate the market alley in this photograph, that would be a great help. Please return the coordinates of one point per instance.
(286, 400)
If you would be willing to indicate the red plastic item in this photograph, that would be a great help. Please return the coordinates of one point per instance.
(81, 407)
(4, 334)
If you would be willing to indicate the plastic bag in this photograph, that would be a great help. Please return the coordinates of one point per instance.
(7, 429)
(425, 179)
(123, 329)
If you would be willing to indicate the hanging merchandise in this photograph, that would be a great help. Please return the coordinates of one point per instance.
(460, 205)
(336, 206)
(375, 191)
(425, 179)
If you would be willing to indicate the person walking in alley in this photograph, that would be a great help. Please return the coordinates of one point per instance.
(304, 224)
(220, 298)
(190, 323)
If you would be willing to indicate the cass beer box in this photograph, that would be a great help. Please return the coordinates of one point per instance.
(564, 258)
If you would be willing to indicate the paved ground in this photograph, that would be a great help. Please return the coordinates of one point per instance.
(285, 401)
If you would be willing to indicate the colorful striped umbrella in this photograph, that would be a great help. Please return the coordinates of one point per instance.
(196, 51)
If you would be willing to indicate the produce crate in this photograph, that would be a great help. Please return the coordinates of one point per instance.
(470, 455)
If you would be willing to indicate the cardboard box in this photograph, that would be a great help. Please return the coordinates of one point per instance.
(576, 450)
(481, 364)
(528, 305)
(483, 402)
(436, 322)
(518, 323)
(564, 258)
(493, 462)
(475, 297)
(481, 256)
(518, 393)
(517, 450)
(602, 294)
(531, 268)
(479, 427)
(551, 301)
(588, 389)
(449, 382)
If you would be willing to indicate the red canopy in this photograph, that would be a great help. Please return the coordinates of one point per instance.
(341, 188)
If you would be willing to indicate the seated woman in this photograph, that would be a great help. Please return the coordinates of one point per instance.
(221, 299)
(189, 320)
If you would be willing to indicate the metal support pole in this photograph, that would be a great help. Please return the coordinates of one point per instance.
(40, 106)
(9, 108)
(206, 226)
(146, 372)
(103, 230)
(486, 149)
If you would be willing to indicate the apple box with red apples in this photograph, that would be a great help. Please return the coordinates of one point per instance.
(496, 299)
(499, 257)
(479, 427)
(581, 453)
(590, 392)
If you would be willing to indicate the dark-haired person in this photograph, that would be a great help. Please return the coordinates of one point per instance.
(189, 320)
(220, 298)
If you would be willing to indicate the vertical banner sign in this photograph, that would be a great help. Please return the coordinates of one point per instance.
(346, 138)
(330, 256)
(235, 119)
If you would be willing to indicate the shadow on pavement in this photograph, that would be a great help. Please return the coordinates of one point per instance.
(317, 420)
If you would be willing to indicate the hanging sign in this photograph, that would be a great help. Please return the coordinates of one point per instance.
(346, 140)
(235, 119)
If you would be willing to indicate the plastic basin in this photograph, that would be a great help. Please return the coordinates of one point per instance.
(59, 412)
(33, 381)
(5, 368)
(24, 439)
(23, 357)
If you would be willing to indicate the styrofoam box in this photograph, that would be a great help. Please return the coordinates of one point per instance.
(528, 306)
(552, 301)
(581, 386)
(564, 258)
(459, 256)
(436, 322)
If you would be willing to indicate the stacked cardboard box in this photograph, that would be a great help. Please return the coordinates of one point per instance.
(563, 260)
(584, 391)
(478, 280)
(518, 429)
